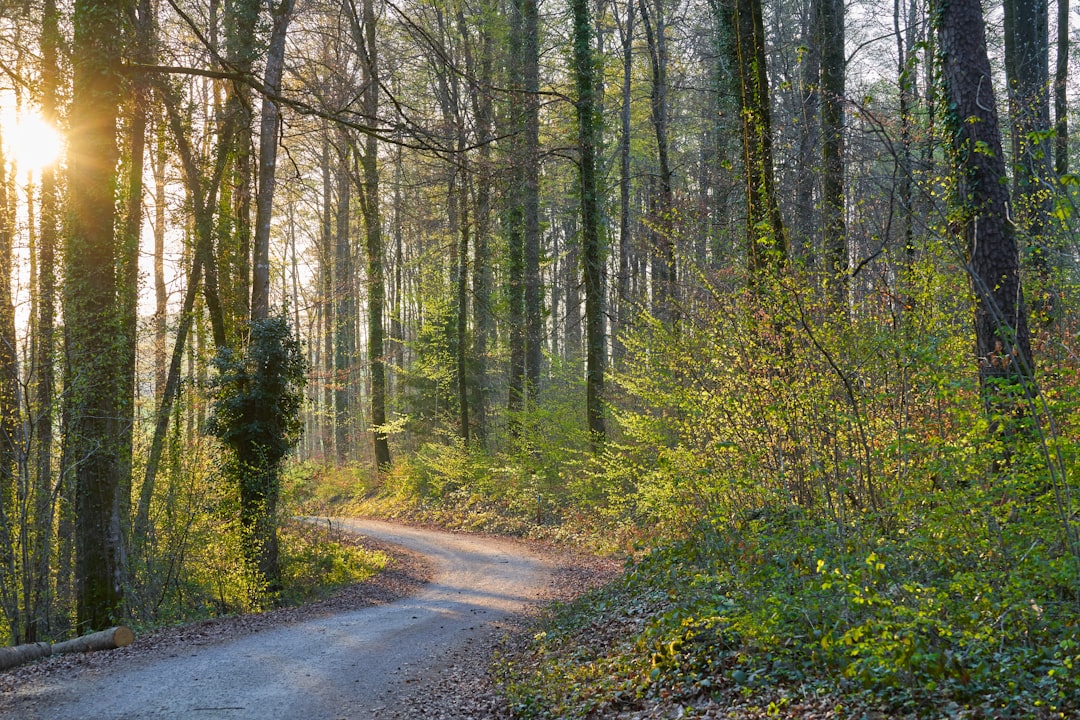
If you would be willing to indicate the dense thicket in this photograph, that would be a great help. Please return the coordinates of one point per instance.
(626, 268)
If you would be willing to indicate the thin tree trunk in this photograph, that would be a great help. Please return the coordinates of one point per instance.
(203, 202)
(45, 333)
(621, 295)
(270, 122)
(344, 316)
(833, 72)
(160, 291)
(481, 275)
(804, 236)
(665, 299)
(128, 269)
(328, 431)
(1061, 86)
(364, 29)
(534, 321)
(591, 241)
(10, 562)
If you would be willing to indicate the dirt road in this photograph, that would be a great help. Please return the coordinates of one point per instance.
(356, 664)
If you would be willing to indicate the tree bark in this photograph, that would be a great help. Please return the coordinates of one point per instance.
(662, 221)
(45, 333)
(365, 33)
(90, 311)
(833, 72)
(766, 245)
(1061, 97)
(804, 235)
(534, 321)
(270, 123)
(1027, 51)
(593, 256)
(1003, 345)
(344, 309)
(622, 283)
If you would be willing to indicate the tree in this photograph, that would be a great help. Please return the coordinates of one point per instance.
(663, 221)
(766, 246)
(591, 243)
(9, 411)
(1061, 97)
(343, 311)
(833, 73)
(93, 338)
(1027, 73)
(1002, 338)
(270, 123)
(534, 322)
(364, 34)
(256, 414)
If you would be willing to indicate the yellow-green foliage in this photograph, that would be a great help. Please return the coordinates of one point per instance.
(836, 517)
(313, 564)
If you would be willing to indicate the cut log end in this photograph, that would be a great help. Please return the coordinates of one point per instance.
(117, 637)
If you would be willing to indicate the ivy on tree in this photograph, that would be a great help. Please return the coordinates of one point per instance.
(257, 397)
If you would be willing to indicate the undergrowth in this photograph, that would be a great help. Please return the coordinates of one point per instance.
(316, 562)
(835, 518)
(776, 612)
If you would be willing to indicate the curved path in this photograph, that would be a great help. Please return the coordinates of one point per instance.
(349, 665)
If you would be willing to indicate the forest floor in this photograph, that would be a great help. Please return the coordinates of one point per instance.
(425, 671)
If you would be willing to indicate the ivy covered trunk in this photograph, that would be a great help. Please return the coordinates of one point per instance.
(93, 337)
(257, 416)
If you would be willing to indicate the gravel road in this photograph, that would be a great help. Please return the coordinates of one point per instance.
(354, 664)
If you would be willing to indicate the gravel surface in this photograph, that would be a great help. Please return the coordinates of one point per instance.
(414, 642)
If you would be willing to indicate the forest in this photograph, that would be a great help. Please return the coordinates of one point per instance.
(778, 297)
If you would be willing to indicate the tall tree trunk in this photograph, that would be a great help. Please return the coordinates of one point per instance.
(905, 74)
(269, 124)
(130, 237)
(833, 73)
(534, 321)
(461, 321)
(229, 275)
(397, 319)
(593, 256)
(327, 299)
(365, 35)
(766, 246)
(161, 297)
(1002, 338)
(622, 284)
(483, 321)
(1061, 86)
(344, 316)
(663, 221)
(11, 568)
(90, 312)
(1027, 72)
(804, 235)
(45, 330)
(515, 216)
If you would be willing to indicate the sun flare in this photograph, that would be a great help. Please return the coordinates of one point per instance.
(30, 141)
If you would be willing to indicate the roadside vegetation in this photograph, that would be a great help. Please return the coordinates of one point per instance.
(817, 513)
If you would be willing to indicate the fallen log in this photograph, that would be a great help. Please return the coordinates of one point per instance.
(19, 654)
(117, 637)
(110, 639)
